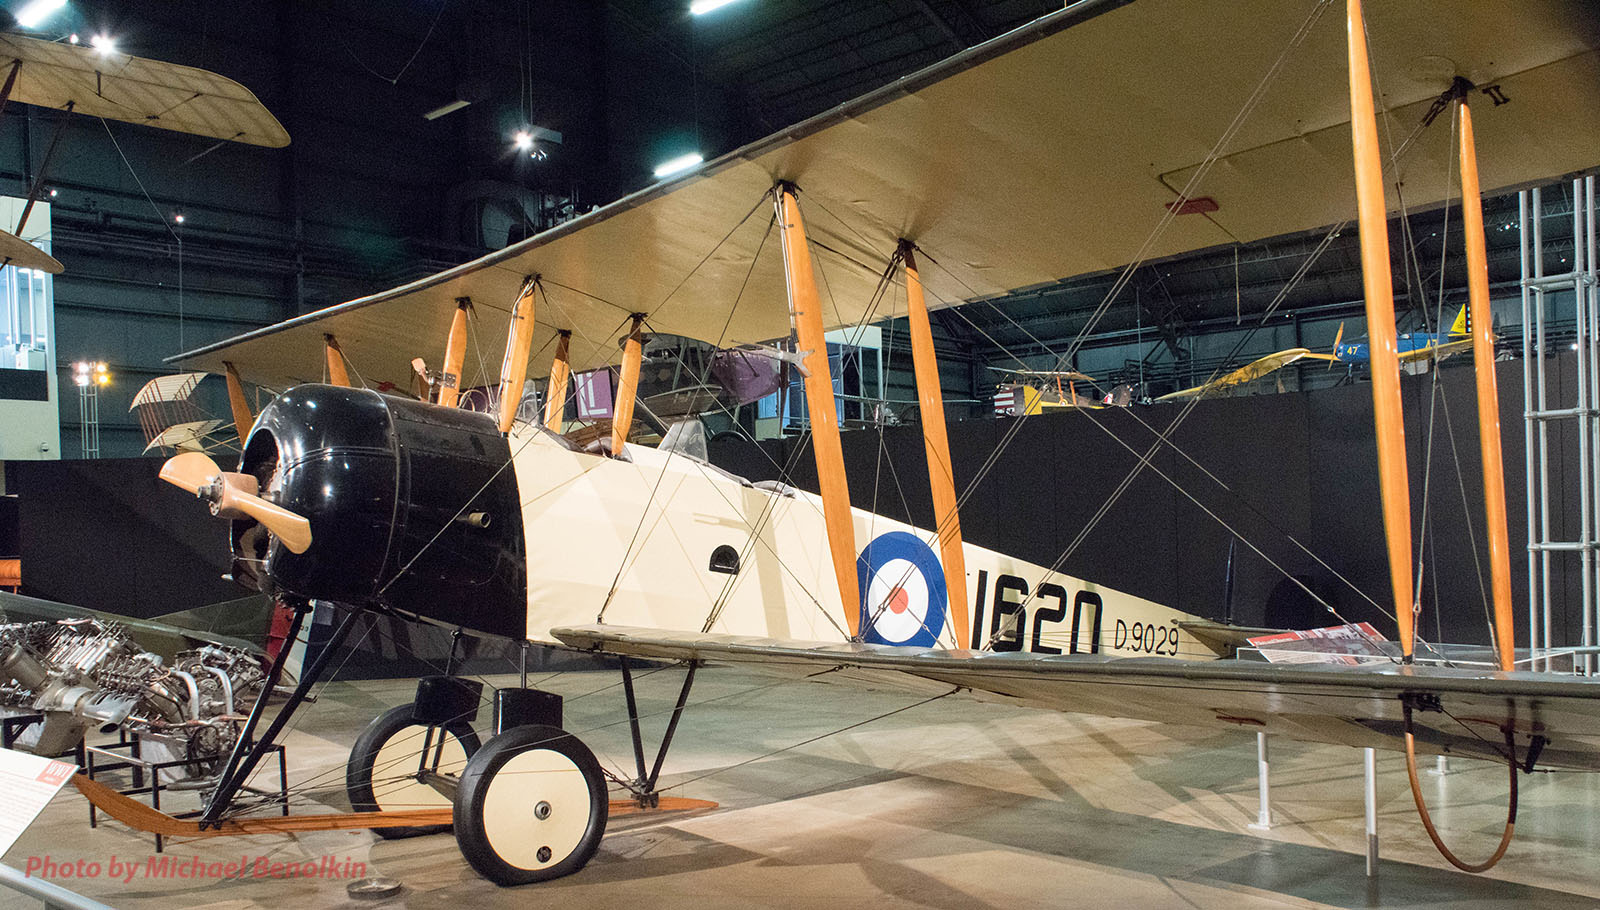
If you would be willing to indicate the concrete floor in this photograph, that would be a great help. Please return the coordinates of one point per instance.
(951, 804)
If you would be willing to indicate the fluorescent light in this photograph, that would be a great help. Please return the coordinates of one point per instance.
(680, 163)
(34, 14)
(701, 7)
(450, 108)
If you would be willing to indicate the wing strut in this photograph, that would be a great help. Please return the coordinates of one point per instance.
(238, 403)
(806, 309)
(1395, 489)
(628, 385)
(555, 394)
(455, 351)
(1480, 323)
(936, 447)
(514, 368)
(337, 374)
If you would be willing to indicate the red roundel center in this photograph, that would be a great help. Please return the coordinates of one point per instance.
(899, 601)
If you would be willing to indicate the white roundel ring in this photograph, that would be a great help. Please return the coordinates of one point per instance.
(902, 591)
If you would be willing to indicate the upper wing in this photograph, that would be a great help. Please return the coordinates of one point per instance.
(1357, 706)
(137, 90)
(1048, 152)
(1250, 372)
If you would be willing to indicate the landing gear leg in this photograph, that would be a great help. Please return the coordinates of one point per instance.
(643, 788)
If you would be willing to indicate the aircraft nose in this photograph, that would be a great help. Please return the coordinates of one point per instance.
(411, 505)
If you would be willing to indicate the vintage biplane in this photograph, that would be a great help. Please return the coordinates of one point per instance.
(1054, 150)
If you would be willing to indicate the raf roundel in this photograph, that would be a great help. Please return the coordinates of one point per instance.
(902, 591)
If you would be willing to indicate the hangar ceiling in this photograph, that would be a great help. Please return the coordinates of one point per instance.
(371, 194)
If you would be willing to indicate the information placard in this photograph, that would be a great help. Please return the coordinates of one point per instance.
(27, 784)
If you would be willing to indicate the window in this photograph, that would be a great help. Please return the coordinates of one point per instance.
(24, 319)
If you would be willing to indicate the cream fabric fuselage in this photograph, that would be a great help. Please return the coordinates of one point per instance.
(631, 543)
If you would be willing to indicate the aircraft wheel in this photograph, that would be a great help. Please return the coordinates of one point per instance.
(532, 806)
(382, 771)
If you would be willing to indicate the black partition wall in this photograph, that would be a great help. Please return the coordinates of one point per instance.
(1276, 471)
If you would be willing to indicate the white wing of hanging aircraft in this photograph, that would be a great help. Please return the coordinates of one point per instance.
(1045, 153)
(136, 90)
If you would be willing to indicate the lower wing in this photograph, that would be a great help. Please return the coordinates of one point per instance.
(1554, 718)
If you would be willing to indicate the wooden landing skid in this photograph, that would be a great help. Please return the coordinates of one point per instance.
(140, 817)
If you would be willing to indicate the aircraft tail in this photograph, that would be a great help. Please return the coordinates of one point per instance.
(1461, 326)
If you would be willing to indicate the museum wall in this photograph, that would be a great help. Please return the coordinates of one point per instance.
(1298, 465)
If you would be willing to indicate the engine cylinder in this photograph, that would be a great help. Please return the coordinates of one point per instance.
(388, 484)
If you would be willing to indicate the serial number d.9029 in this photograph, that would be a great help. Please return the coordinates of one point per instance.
(1145, 638)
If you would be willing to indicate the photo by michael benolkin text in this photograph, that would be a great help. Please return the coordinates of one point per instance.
(127, 869)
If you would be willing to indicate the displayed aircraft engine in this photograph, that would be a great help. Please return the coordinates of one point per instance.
(405, 505)
(82, 673)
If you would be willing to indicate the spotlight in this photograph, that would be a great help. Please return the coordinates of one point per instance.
(701, 7)
(34, 14)
(86, 373)
(53, 192)
(523, 140)
(72, 38)
(680, 163)
(104, 43)
(178, 216)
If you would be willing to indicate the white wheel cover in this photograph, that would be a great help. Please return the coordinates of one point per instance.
(514, 832)
(394, 769)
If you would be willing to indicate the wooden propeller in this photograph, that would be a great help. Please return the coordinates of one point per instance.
(232, 495)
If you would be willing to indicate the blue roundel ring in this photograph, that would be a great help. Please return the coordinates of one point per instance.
(879, 553)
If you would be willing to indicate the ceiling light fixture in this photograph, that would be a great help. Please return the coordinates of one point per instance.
(701, 7)
(680, 163)
(34, 14)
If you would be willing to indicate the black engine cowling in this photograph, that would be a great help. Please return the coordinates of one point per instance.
(411, 505)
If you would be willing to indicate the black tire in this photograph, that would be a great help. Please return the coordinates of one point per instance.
(364, 757)
(550, 825)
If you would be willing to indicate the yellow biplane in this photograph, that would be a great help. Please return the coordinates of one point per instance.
(1060, 148)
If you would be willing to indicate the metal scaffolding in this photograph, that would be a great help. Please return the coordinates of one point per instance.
(1550, 405)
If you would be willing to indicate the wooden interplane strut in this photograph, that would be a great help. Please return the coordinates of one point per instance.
(337, 374)
(514, 368)
(243, 420)
(1480, 323)
(805, 307)
(555, 393)
(1379, 287)
(628, 384)
(936, 447)
(455, 353)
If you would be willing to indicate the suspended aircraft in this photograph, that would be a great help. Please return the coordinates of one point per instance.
(1033, 391)
(1048, 151)
(102, 83)
(1411, 347)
